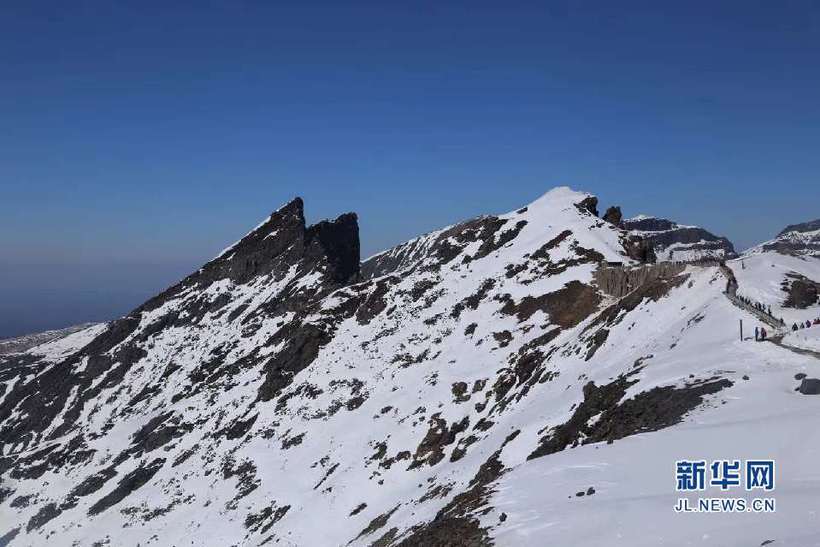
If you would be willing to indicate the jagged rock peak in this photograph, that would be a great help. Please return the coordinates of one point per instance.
(339, 240)
(290, 214)
(280, 246)
(283, 239)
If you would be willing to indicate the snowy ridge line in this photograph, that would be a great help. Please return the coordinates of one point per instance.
(465, 392)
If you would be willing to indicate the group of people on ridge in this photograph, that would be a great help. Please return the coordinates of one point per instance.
(807, 324)
(762, 308)
(756, 305)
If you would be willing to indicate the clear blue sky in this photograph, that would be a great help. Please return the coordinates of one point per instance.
(139, 139)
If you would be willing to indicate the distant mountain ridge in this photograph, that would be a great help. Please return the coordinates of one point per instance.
(811, 226)
(676, 242)
(801, 239)
(26, 342)
(796, 239)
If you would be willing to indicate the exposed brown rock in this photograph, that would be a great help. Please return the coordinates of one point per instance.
(802, 292)
(565, 307)
(651, 410)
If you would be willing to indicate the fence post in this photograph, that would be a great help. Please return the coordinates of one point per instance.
(741, 330)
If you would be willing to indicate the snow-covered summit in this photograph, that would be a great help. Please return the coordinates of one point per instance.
(507, 237)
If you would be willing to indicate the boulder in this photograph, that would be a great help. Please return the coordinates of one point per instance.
(810, 386)
(802, 292)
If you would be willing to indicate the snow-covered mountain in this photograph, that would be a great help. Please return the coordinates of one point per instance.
(784, 273)
(521, 379)
(676, 242)
(796, 239)
(786, 283)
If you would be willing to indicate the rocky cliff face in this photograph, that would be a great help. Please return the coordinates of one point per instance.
(674, 242)
(286, 394)
(619, 281)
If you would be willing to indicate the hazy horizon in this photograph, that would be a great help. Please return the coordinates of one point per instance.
(105, 291)
(142, 140)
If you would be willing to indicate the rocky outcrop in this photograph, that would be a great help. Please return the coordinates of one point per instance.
(640, 249)
(802, 292)
(338, 243)
(810, 386)
(589, 205)
(731, 280)
(617, 418)
(613, 215)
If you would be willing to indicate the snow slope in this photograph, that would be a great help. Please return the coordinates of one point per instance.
(805, 338)
(760, 277)
(458, 389)
(60, 348)
(634, 479)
